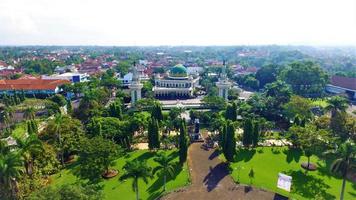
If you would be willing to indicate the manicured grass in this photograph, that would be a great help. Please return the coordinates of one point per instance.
(267, 162)
(115, 189)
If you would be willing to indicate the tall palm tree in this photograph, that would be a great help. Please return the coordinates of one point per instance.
(11, 165)
(136, 170)
(346, 161)
(29, 113)
(165, 165)
(29, 147)
(57, 124)
(336, 103)
(6, 115)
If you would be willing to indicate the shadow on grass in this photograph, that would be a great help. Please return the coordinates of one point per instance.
(158, 184)
(309, 186)
(245, 155)
(214, 154)
(215, 175)
(292, 154)
(145, 156)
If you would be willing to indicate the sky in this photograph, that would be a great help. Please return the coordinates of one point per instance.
(178, 22)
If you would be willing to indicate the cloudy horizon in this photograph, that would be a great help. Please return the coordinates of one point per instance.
(178, 22)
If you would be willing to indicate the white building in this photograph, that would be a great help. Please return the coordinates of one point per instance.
(73, 77)
(176, 84)
(223, 84)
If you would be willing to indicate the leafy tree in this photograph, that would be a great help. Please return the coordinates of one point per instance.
(335, 104)
(11, 165)
(248, 132)
(69, 107)
(65, 134)
(267, 74)
(183, 143)
(165, 165)
(115, 110)
(157, 112)
(58, 99)
(230, 142)
(251, 175)
(46, 161)
(67, 192)
(305, 78)
(96, 156)
(231, 112)
(343, 126)
(344, 163)
(214, 102)
(136, 170)
(298, 107)
(256, 133)
(153, 134)
(111, 128)
(29, 147)
(29, 113)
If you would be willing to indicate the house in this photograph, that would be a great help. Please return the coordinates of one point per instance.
(340, 85)
(31, 86)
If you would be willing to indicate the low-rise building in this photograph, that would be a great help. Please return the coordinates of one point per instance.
(31, 86)
(340, 84)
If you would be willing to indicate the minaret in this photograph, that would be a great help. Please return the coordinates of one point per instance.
(135, 85)
(223, 84)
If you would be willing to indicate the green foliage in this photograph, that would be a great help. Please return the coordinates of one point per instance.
(267, 74)
(229, 148)
(43, 66)
(68, 192)
(298, 107)
(231, 112)
(183, 143)
(153, 134)
(115, 110)
(256, 133)
(58, 99)
(137, 170)
(165, 166)
(305, 78)
(46, 161)
(157, 112)
(247, 137)
(11, 165)
(214, 102)
(96, 156)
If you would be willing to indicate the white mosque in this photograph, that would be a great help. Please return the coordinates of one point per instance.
(176, 84)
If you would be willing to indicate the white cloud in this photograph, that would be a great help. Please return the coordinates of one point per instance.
(178, 22)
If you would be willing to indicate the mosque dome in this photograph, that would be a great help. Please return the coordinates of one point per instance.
(178, 71)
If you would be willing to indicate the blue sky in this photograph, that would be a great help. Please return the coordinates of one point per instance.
(177, 22)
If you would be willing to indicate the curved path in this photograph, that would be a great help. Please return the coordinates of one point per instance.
(211, 180)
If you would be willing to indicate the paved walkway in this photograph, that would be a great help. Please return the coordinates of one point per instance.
(211, 180)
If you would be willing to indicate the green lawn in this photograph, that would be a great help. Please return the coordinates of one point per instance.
(115, 189)
(267, 162)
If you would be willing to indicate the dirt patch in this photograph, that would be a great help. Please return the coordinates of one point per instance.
(110, 174)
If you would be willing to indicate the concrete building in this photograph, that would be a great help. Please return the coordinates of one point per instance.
(177, 84)
(223, 84)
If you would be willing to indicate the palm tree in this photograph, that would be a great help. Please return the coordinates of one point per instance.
(29, 147)
(165, 166)
(6, 115)
(136, 170)
(29, 113)
(11, 165)
(344, 163)
(336, 103)
(57, 124)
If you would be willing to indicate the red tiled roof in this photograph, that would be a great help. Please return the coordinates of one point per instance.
(344, 82)
(31, 84)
